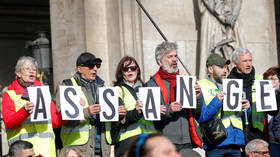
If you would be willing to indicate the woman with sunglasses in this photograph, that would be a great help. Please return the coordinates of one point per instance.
(124, 132)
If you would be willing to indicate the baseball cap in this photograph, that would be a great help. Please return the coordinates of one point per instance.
(87, 59)
(215, 59)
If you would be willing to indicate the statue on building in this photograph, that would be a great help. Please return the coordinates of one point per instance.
(219, 29)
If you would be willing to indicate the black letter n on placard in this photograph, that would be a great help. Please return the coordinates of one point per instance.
(183, 90)
(38, 109)
(110, 91)
(76, 113)
(150, 97)
(263, 94)
(232, 106)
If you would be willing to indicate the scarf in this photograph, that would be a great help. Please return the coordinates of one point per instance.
(24, 85)
(248, 80)
(171, 78)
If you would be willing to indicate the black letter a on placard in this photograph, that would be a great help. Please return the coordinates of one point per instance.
(150, 97)
(38, 109)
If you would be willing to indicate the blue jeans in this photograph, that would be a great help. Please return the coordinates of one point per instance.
(274, 149)
(223, 152)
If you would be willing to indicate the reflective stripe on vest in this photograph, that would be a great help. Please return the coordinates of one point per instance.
(31, 135)
(209, 91)
(40, 134)
(28, 121)
(76, 135)
(257, 117)
(142, 126)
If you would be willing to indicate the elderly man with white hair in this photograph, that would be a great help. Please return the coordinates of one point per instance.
(257, 148)
(243, 69)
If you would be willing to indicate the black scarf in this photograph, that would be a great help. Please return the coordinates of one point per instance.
(248, 80)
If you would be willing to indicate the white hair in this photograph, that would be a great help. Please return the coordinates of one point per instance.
(22, 60)
(163, 48)
(238, 51)
(252, 146)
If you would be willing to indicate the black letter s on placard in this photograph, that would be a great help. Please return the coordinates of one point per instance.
(67, 98)
(110, 91)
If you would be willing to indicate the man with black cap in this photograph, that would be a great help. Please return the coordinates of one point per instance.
(87, 135)
(213, 94)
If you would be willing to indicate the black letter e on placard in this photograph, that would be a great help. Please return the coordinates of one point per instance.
(263, 94)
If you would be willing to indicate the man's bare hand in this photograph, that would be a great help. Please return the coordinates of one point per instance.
(197, 90)
(175, 107)
(220, 96)
(245, 104)
(94, 109)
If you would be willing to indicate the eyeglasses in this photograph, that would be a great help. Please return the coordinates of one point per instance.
(262, 153)
(132, 68)
(29, 69)
(91, 66)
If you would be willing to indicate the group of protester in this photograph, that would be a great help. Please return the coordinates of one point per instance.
(132, 135)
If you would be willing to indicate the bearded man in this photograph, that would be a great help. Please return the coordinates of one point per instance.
(176, 123)
(213, 94)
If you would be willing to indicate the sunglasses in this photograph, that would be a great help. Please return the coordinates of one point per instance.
(91, 66)
(132, 68)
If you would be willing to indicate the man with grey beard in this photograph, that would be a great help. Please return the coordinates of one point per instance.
(176, 123)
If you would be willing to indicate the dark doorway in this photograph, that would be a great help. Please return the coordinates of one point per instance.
(20, 20)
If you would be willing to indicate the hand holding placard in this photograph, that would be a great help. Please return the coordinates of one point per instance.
(94, 109)
(29, 106)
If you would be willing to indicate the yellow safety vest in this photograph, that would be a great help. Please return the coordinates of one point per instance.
(209, 91)
(257, 117)
(40, 134)
(79, 134)
(142, 126)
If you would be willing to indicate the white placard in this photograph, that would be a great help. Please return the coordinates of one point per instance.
(232, 99)
(150, 97)
(108, 99)
(41, 98)
(71, 109)
(265, 96)
(185, 91)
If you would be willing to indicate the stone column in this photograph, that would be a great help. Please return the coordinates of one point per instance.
(68, 36)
